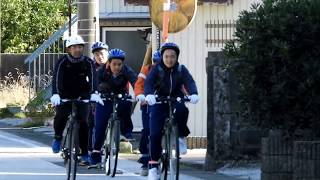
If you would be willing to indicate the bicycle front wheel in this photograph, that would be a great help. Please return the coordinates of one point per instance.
(174, 154)
(114, 148)
(73, 147)
(105, 151)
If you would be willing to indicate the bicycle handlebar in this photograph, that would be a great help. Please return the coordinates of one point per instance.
(122, 97)
(165, 99)
(75, 100)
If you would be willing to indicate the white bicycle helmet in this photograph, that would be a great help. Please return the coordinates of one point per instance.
(74, 40)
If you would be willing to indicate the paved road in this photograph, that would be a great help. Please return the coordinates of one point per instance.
(24, 159)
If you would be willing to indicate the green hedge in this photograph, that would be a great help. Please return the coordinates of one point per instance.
(278, 46)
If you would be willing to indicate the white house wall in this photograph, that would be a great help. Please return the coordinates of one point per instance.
(194, 51)
(110, 6)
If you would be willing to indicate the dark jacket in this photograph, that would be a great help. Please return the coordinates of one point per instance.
(165, 81)
(107, 83)
(74, 78)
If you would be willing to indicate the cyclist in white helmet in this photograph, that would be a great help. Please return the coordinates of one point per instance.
(74, 77)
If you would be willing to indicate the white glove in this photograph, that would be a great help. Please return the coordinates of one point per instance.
(141, 98)
(151, 99)
(55, 99)
(96, 98)
(194, 98)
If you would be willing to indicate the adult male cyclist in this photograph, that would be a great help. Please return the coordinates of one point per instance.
(73, 78)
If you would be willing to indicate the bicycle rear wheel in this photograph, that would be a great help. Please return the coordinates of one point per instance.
(114, 148)
(73, 146)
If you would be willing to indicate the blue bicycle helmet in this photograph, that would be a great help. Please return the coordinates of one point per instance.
(116, 54)
(156, 57)
(99, 45)
(170, 45)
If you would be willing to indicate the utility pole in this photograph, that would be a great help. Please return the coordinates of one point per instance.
(87, 23)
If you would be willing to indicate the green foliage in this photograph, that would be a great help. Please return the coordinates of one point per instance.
(25, 24)
(5, 113)
(35, 122)
(278, 48)
(20, 115)
(40, 106)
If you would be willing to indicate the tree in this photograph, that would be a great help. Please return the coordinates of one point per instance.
(26, 24)
(278, 45)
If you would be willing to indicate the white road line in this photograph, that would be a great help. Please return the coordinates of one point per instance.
(61, 174)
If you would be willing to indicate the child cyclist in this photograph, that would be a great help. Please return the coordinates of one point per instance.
(100, 58)
(112, 79)
(100, 53)
(167, 78)
(138, 90)
(74, 77)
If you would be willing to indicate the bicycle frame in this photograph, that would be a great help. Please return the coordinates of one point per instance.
(171, 155)
(112, 139)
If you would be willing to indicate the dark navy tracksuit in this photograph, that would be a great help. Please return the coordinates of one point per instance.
(163, 81)
(73, 78)
(107, 83)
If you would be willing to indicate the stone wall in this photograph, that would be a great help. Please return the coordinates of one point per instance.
(227, 137)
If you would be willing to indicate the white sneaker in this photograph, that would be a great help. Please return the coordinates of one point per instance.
(182, 146)
(153, 174)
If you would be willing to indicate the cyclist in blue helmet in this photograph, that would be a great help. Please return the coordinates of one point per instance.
(100, 57)
(113, 78)
(167, 78)
(138, 90)
(100, 53)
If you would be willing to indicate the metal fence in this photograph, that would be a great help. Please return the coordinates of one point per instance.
(41, 62)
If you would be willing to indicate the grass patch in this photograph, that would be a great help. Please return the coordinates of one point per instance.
(36, 122)
(20, 115)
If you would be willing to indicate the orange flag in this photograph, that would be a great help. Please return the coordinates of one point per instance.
(165, 21)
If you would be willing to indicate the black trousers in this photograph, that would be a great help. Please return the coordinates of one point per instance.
(60, 120)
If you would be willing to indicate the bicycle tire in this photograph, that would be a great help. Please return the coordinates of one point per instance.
(114, 147)
(105, 153)
(164, 163)
(69, 153)
(174, 154)
(74, 151)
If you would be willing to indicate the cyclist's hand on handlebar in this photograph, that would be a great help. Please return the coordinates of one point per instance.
(96, 98)
(194, 98)
(55, 99)
(141, 98)
(151, 99)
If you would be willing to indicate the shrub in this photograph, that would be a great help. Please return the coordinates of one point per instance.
(277, 44)
(14, 91)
